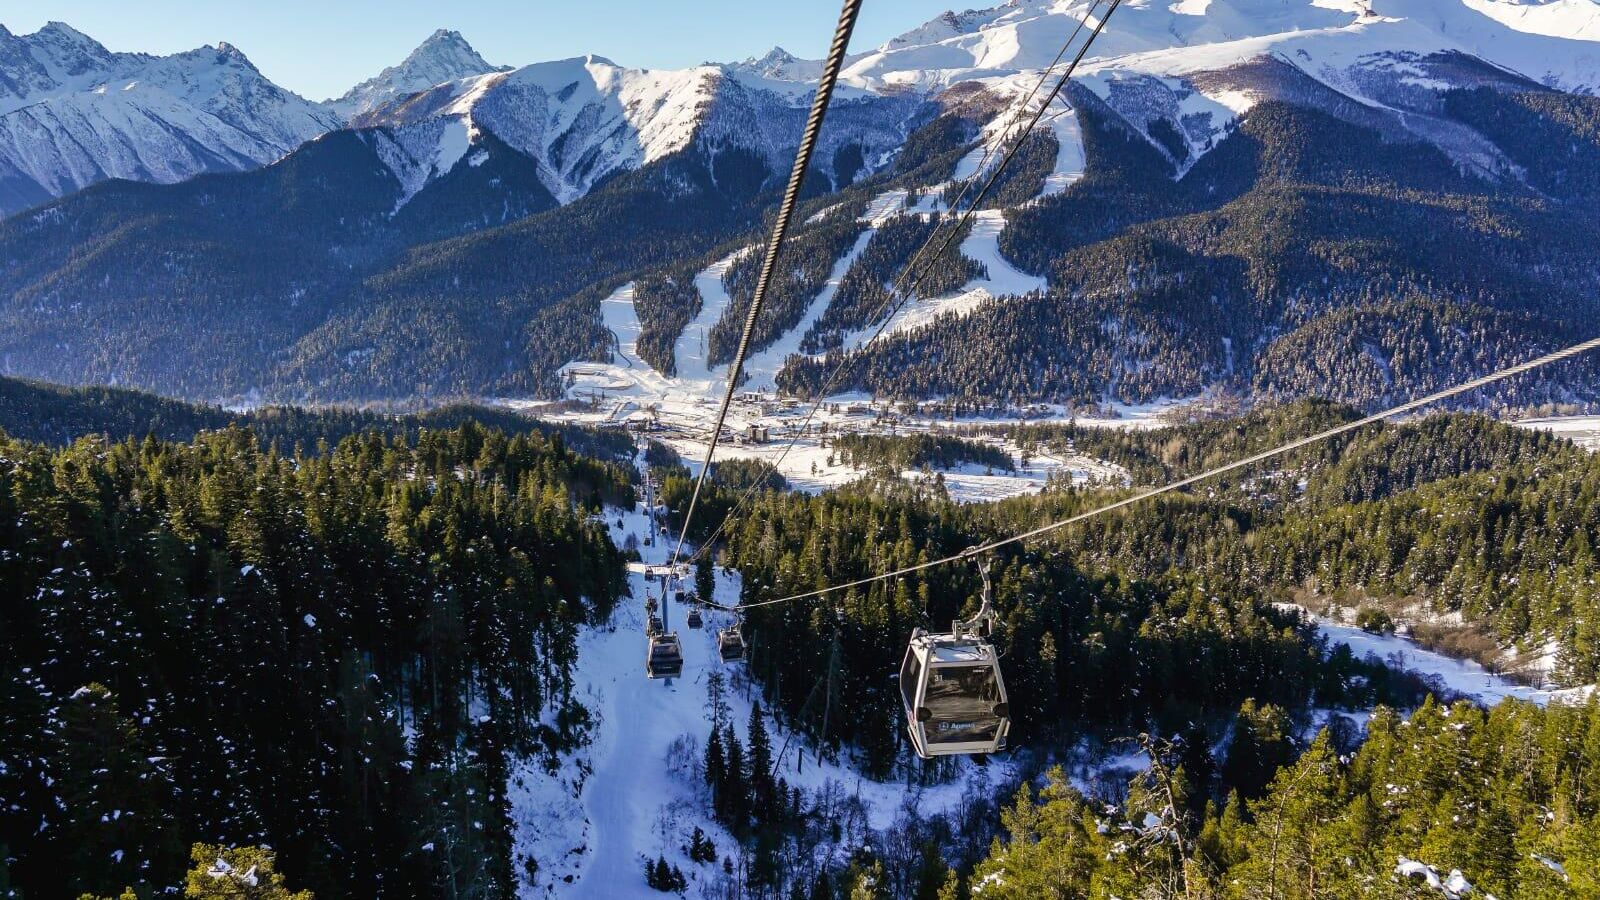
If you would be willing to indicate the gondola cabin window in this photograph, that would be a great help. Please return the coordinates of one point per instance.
(910, 680)
(962, 700)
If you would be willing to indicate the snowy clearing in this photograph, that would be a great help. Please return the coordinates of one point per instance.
(635, 789)
(1582, 430)
(1460, 675)
(1003, 279)
(763, 367)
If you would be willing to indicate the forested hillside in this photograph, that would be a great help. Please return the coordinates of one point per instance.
(1450, 801)
(1451, 515)
(300, 281)
(333, 654)
(1303, 255)
(58, 415)
(345, 648)
(1455, 513)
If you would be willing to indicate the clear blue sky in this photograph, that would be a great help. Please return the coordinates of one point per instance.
(321, 48)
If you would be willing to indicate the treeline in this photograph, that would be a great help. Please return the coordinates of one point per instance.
(1450, 801)
(57, 415)
(334, 653)
(914, 451)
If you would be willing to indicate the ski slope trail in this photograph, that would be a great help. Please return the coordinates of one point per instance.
(626, 376)
(693, 349)
(763, 367)
(642, 795)
(636, 805)
(1070, 159)
(1002, 279)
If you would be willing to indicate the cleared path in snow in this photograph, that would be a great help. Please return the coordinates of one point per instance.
(1003, 279)
(763, 367)
(634, 794)
(1461, 675)
(694, 344)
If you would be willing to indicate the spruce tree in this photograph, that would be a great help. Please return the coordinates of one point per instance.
(237, 873)
(759, 777)
(705, 578)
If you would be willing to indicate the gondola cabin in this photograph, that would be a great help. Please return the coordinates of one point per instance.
(730, 644)
(665, 656)
(954, 696)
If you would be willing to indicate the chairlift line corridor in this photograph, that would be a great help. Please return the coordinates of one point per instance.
(959, 703)
(899, 294)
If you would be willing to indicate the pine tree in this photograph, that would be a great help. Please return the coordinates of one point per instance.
(716, 772)
(869, 882)
(705, 579)
(701, 848)
(113, 798)
(239, 873)
(735, 786)
(759, 778)
(1260, 745)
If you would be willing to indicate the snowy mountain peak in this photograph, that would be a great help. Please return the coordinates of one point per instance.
(780, 65)
(227, 55)
(64, 32)
(444, 57)
(45, 61)
(73, 113)
(953, 24)
(446, 50)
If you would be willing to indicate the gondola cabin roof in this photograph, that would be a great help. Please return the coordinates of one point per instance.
(963, 652)
(944, 649)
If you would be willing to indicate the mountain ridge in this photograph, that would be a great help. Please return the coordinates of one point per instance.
(429, 249)
(73, 114)
(443, 57)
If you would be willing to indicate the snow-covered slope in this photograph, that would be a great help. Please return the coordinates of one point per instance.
(1552, 43)
(444, 56)
(781, 65)
(1200, 64)
(585, 118)
(72, 113)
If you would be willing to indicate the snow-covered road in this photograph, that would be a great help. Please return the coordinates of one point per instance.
(1460, 675)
